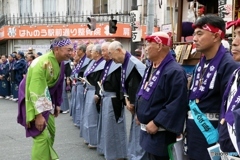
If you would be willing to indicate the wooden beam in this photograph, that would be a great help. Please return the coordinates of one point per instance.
(179, 23)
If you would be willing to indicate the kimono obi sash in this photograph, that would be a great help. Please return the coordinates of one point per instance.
(108, 94)
(90, 87)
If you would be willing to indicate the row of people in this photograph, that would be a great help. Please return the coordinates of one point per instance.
(96, 102)
(156, 96)
(12, 70)
(162, 104)
(111, 80)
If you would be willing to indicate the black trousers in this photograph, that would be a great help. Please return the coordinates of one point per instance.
(154, 157)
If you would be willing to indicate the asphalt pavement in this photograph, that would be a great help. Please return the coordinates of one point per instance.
(15, 146)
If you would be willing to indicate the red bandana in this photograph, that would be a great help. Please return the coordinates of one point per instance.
(159, 40)
(201, 10)
(210, 28)
(233, 23)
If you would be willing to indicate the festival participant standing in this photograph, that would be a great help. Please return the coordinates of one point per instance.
(19, 69)
(207, 87)
(230, 111)
(4, 81)
(66, 87)
(92, 99)
(112, 122)
(73, 77)
(42, 88)
(11, 59)
(29, 59)
(131, 76)
(81, 74)
(79, 71)
(162, 99)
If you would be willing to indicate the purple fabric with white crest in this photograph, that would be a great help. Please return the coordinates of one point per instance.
(93, 67)
(200, 89)
(234, 101)
(106, 69)
(147, 92)
(79, 66)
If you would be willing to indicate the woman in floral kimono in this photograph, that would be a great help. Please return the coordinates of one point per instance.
(43, 91)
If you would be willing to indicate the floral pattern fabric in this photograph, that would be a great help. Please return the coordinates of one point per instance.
(43, 73)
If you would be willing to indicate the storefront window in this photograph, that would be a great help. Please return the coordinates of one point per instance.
(49, 7)
(171, 7)
(127, 6)
(74, 6)
(100, 6)
(25, 7)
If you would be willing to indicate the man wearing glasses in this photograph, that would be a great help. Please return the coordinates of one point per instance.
(161, 104)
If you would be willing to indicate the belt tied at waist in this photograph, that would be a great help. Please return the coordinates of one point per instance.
(143, 128)
(90, 87)
(79, 83)
(210, 116)
(108, 94)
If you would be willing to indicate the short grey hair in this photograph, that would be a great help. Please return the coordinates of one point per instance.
(82, 47)
(90, 47)
(98, 48)
(106, 44)
(115, 45)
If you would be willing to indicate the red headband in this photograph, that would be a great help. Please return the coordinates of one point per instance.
(233, 23)
(201, 9)
(159, 40)
(210, 28)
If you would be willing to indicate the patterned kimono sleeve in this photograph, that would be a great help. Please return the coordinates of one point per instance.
(38, 96)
